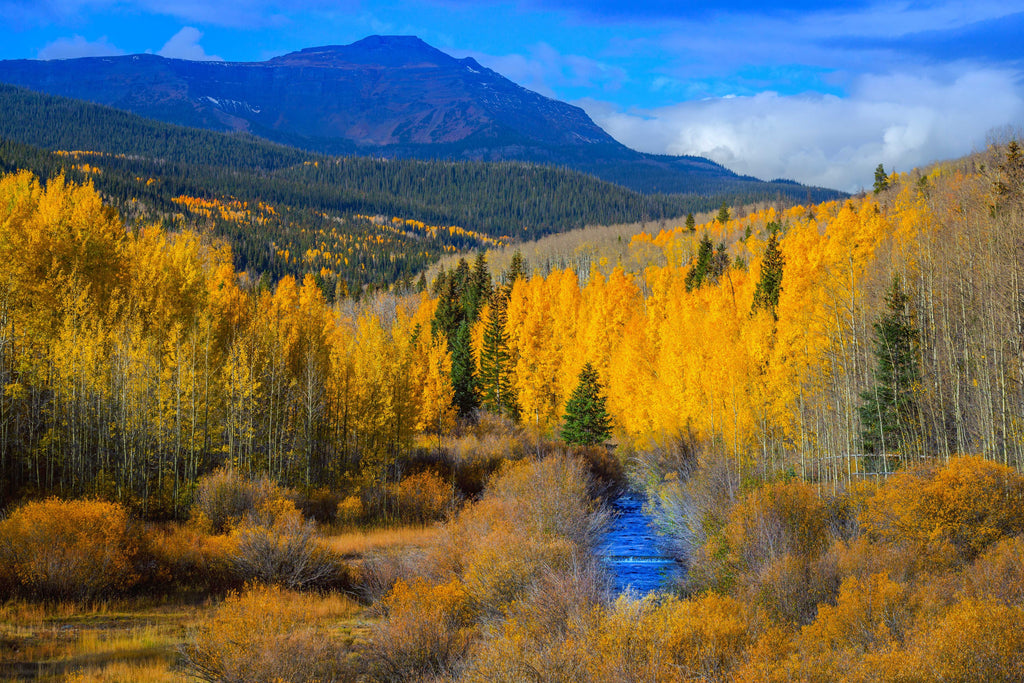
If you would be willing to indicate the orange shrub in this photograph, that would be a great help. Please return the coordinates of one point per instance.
(427, 630)
(78, 549)
(191, 558)
(999, 573)
(975, 640)
(424, 497)
(947, 515)
(272, 634)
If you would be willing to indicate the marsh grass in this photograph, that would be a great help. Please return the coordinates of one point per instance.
(358, 544)
(124, 640)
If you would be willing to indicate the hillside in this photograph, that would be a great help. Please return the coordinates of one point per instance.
(387, 96)
(150, 170)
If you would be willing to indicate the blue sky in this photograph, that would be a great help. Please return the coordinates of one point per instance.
(817, 92)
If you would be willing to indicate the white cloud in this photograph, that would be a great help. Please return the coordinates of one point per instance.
(185, 45)
(77, 46)
(543, 69)
(901, 120)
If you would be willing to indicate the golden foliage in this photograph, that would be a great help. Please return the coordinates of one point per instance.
(80, 549)
(302, 641)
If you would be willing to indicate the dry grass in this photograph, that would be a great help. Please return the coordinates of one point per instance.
(110, 641)
(358, 544)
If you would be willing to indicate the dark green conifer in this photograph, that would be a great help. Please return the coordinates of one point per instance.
(723, 214)
(464, 379)
(496, 390)
(766, 294)
(699, 270)
(881, 179)
(586, 416)
(888, 413)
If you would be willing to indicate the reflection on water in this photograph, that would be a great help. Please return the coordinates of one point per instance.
(632, 550)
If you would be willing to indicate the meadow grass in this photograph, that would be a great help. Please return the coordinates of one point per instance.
(359, 543)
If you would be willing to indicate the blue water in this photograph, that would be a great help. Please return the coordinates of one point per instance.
(632, 550)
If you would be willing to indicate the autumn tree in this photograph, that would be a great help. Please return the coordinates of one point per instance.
(587, 421)
(889, 407)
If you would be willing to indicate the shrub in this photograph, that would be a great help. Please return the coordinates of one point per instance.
(271, 634)
(191, 558)
(947, 515)
(424, 497)
(224, 497)
(998, 574)
(426, 632)
(78, 549)
(975, 640)
(274, 544)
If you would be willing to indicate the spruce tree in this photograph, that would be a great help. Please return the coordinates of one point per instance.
(691, 224)
(496, 391)
(766, 294)
(881, 179)
(586, 417)
(699, 270)
(464, 379)
(889, 408)
(723, 214)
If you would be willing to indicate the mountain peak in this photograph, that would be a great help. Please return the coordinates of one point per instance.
(389, 51)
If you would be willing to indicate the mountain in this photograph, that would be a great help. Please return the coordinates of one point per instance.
(388, 96)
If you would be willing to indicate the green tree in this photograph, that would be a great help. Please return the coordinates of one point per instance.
(766, 294)
(464, 379)
(691, 224)
(888, 412)
(723, 214)
(881, 179)
(497, 393)
(586, 417)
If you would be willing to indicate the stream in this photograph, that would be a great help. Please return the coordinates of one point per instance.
(632, 549)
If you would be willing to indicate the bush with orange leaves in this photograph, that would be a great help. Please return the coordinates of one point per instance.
(772, 550)
(426, 632)
(424, 497)
(188, 557)
(77, 549)
(655, 639)
(268, 633)
(947, 515)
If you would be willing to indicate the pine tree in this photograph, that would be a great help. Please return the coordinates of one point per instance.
(766, 294)
(691, 224)
(516, 270)
(497, 393)
(586, 416)
(699, 270)
(881, 179)
(464, 380)
(723, 214)
(888, 412)
(478, 289)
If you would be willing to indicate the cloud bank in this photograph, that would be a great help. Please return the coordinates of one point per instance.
(185, 45)
(77, 46)
(901, 120)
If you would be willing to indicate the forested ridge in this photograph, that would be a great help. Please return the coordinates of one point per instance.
(823, 402)
(143, 167)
